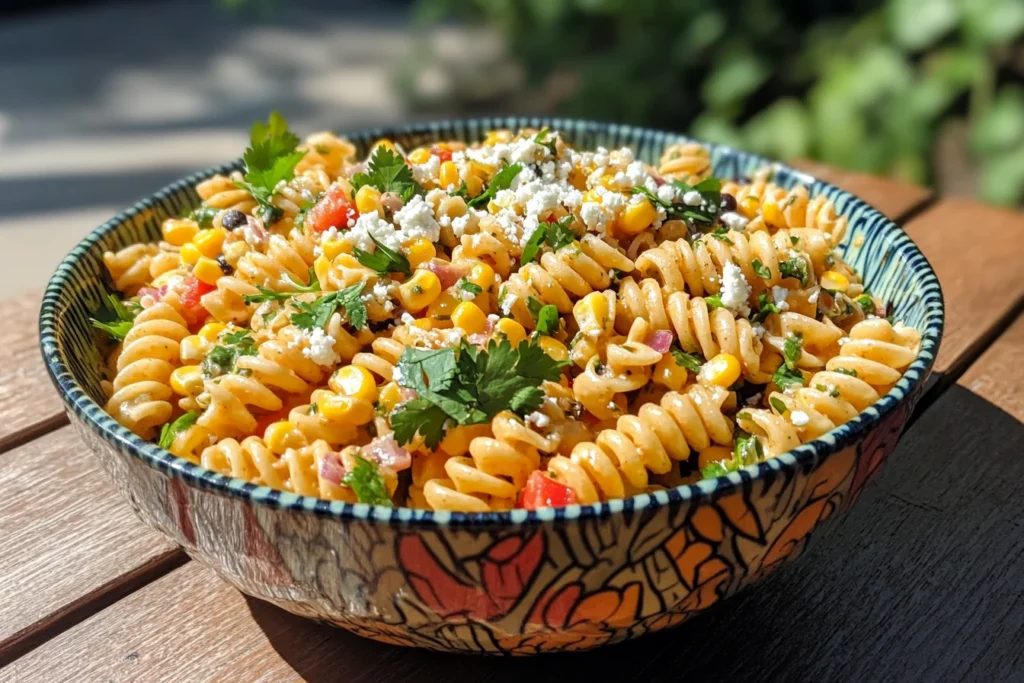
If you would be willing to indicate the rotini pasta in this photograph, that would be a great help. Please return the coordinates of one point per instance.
(480, 327)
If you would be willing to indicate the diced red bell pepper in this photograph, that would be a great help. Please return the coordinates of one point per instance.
(542, 491)
(335, 209)
(441, 153)
(192, 290)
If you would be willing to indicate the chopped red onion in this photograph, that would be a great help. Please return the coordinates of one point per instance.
(660, 340)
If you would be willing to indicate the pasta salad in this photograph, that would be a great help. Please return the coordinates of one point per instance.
(513, 323)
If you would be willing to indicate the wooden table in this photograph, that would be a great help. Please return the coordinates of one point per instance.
(923, 580)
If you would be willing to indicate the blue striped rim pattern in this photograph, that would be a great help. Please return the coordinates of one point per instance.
(891, 264)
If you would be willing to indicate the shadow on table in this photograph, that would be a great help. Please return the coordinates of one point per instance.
(921, 581)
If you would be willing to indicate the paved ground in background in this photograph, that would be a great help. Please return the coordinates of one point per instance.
(103, 105)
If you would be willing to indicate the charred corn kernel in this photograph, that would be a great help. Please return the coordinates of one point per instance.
(355, 381)
(280, 436)
(420, 155)
(212, 331)
(637, 217)
(833, 281)
(512, 330)
(347, 409)
(193, 349)
(748, 206)
(420, 250)
(441, 309)
(390, 396)
(553, 347)
(179, 231)
(385, 142)
(187, 380)
(189, 254)
(207, 270)
(481, 275)
(210, 241)
(421, 289)
(456, 440)
(772, 214)
(722, 370)
(713, 454)
(321, 266)
(448, 174)
(670, 374)
(333, 248)
(474, 185)
(468, 317)
(368, 199)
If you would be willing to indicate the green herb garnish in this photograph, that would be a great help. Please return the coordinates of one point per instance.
(124, 313)
(690, 361)
(502, 180)
(762, 270)
(317, 313)
(383, 260)
(270, 159)
(846, 371)
(778, 404)
(556, 234)
(794, 268)
(171, 430)
(388, 172)
(866, 303)
(471, 287)
(366, 480)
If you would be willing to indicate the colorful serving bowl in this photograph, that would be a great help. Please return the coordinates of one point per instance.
(518, 582)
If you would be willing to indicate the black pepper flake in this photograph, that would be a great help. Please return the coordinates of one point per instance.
(225, 267)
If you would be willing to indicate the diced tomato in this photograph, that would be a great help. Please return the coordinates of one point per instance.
(334, 209)
(441, 153)
(192, 309)
(542, 491)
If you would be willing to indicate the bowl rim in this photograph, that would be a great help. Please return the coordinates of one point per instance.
(806, 456)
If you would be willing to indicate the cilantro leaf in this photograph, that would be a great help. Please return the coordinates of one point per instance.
(547, 320)
(866, 303)
(846, 371)
(203, 215)
(762, 270)
(365, 479)
(533, 245)
(690, 361)
(796, 268)
(313, 286)
(718, 469)
(778, 404)
(765, 307)
(533, 306)
(383, 260)
(784, 378)
(792, 349)
(502, 180)
(124, 317)
(388, 172)
(171, 430)
(471, 287)
(317, 313)
(748, 449)
(714, 301)
(266, 294)
(222, 359)
(419, 415)
(556, 234)
(721, 234)
(271, 158)
(544, 137)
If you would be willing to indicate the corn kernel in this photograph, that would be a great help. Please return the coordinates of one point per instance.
(748, 206)
(722, 370)
(772, 214)
(423, 288)
(334, 248)
(456, 440)
(179, 231)
(207, 270)
(578, 179)
(591, 312)
(280, 436)
(474, 185)
(386, 143)
(193, 349)
(512, 330)
(591, 196)
(448, 174)
(441, 309)
(468, 317)
(420, 155)
(390, 396)
(187, 380)
(497, 136)
(481, 275)
(212, 331)
(423, 323)
(637, 217)
(210, 241)
(368, 199)
(189, 254)
(347, 409)
(608, 181)
(553, 347)
(355, 381)
(321, 266)
(834, 282)
(420, 250)
(670, 374)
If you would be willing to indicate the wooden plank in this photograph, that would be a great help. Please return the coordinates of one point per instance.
(893, 198)
(997, 376)
(28, 401)
(68, 539)
(975, 250)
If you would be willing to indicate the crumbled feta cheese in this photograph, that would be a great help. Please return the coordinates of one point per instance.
(407, 319)
(397, 376)
(813, 298)
(592, 215)
(692, 198)
(459, 225)
(572, 199)
(530, 225)
(371, 224)
(755, 399)
(735, 290)
(636, 173)
(321, 348)
(493, 318)
(759, 331)
(538, 419)
(733, 221)
(508, 302)
(460, 293)
(426, 171)
(417, 220)
(667, 193)
(779, 294)
(799, 418)
(612, 200)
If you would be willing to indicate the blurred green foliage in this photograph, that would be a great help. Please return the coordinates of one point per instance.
(863, 84)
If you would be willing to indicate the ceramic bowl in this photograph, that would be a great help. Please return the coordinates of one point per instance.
(517, 582)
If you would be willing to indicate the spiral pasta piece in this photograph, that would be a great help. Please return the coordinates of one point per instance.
(130, 267)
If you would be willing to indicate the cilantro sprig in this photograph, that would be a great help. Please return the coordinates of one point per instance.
(710, 190)
(123, 312)
(795, 267)
(467, 385)
(502, 180)
(223, 358)
(271, 158)
(787, 375)
(388, 172)
(317, 313)
(383, 260)
(546, 316)
(169, 432)
(765, 307)
(471, 287)
(691, 361)
(556, 234)
(367, 483)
